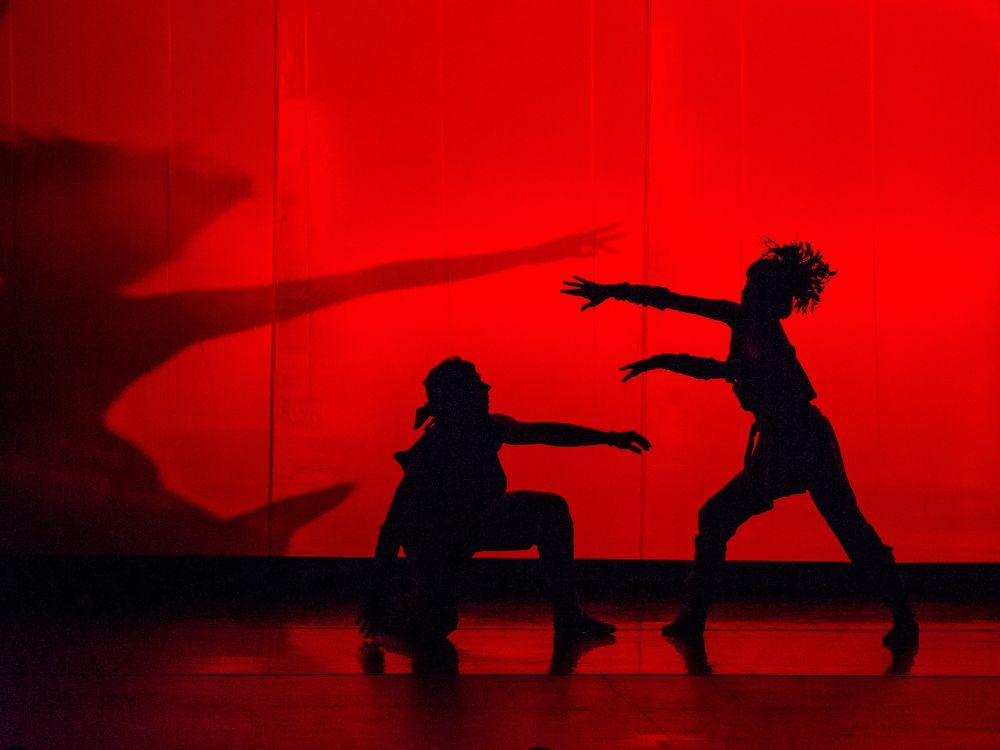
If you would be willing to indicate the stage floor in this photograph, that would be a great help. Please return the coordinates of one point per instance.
(773, 675)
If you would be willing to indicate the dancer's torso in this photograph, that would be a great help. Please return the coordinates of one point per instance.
(448, 475)
(767, 378)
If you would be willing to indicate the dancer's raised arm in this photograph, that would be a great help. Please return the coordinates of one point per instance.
(567, 435)
(659, 297)
(703, 368)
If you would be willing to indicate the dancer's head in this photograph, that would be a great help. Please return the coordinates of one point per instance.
(785, 277)
(455, 393)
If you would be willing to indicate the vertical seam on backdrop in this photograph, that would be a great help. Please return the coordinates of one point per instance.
(170, 138)
(743, 118)
(592, 143)
(442, 172)
(310, 328)
(271, 402)
(169, 168)
(12, 143)
(644, 318)
(874, 227)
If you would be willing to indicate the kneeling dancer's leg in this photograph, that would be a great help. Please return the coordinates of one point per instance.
(525, 519)
(430, 610)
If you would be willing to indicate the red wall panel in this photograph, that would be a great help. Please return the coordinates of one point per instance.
(237, 236)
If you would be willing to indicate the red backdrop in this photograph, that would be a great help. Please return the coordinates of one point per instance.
(172, 168)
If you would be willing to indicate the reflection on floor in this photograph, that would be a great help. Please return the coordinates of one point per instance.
(771, 675)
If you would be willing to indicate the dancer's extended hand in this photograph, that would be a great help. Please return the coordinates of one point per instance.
(629, 441)
(591, 291)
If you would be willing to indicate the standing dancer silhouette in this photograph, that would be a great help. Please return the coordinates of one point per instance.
(792, 447)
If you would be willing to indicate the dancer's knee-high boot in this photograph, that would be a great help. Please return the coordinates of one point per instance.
(709, 554)
(881, 567)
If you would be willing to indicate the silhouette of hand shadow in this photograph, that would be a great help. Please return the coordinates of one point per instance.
(89, 218)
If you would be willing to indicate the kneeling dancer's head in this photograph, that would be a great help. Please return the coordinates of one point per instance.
(455, 392)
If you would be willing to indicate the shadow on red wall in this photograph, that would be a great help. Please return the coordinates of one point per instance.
(89, 219)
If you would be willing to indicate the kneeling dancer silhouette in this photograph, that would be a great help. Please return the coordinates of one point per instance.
(792, 447)
(453, 502)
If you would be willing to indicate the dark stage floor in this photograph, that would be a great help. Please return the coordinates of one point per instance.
(774, 675)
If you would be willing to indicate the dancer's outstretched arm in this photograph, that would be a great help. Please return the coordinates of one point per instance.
(568, 435)
(652, 296)
(703, 368)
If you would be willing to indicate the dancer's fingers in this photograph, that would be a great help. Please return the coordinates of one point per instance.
(641, 440)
